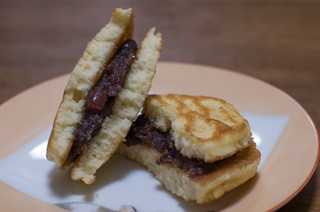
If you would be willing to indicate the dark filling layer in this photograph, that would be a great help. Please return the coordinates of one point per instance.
(100, 98)
(144, 132)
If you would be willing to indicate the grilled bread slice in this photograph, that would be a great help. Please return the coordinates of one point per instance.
(198, 147)
(87, 72)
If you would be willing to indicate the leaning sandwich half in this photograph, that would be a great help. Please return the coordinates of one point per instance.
(103, 96)
(198, 147)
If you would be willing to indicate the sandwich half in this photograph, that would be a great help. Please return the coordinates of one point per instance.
(103, 96)
(198, 147)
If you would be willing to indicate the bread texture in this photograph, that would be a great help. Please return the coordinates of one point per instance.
(206, 128)
(126, 108)
(85, 74)
(227, 174)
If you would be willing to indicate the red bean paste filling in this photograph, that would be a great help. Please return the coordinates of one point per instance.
(101, 97)
(144, 132)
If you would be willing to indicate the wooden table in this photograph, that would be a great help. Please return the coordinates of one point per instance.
(275, 41)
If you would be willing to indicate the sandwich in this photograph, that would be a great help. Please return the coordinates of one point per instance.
(197, 147)
(103, 96)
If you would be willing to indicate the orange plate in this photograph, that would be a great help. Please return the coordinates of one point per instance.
(28, 114)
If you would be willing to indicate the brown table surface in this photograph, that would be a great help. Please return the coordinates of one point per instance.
(275, 41)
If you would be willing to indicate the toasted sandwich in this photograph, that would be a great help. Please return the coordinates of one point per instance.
(104, 94)
(197, 147)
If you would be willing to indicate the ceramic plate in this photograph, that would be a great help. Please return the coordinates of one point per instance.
(283, 131)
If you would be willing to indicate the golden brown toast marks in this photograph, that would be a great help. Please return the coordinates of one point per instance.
(202, 127)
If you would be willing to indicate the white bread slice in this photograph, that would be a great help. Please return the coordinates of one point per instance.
(87, 71)
(227, 174)
(126, 107)
(206, 128)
